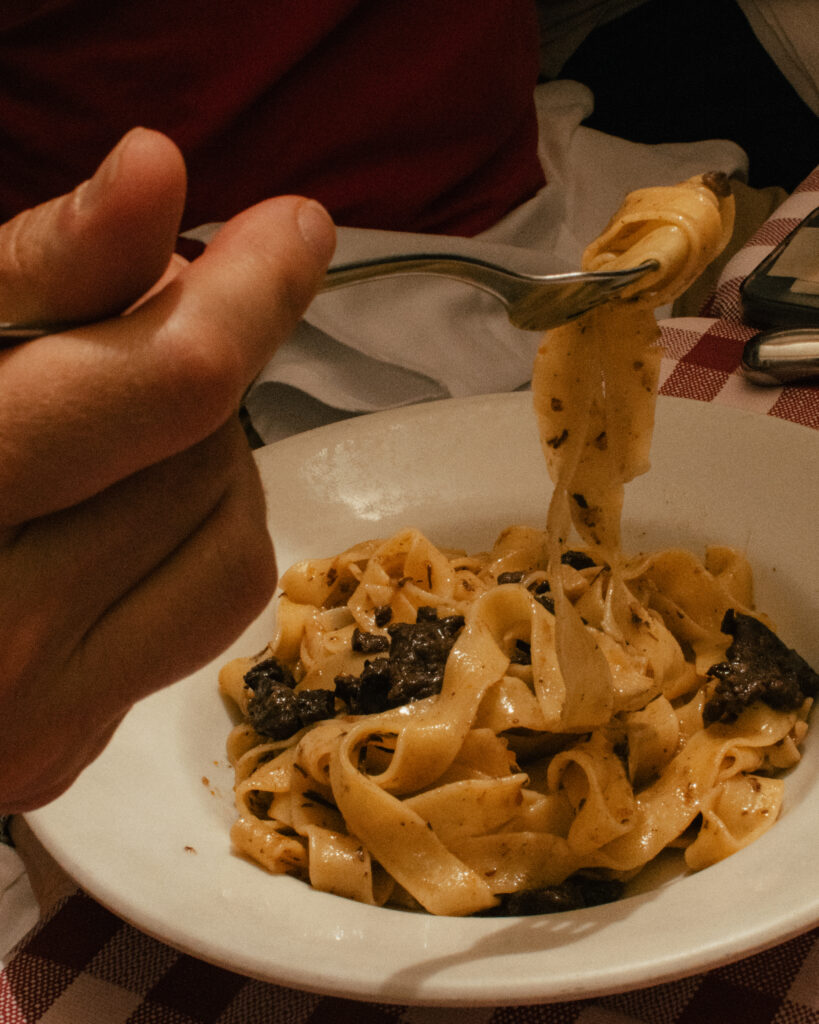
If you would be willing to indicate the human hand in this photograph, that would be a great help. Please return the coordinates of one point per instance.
(133, 545)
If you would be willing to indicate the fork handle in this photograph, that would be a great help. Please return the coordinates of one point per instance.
(479, 273)
(461, 268)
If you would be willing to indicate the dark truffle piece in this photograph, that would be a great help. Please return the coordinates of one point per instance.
(522, 653)
(369, 643)
(366, 694)
(576, 893)
(272, 711)
(418, 655)
(267, 672)
(510, 577)
(541, 592)
(315, 705)
(413, 669)
(577, 559)
(383, 615)
(718, 182)
(275, 709)
(758, 666)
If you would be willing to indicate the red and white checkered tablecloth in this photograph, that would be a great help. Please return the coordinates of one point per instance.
(86, 966)
(703, 353)
(83, 965)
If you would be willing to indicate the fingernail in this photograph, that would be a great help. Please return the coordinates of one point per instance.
(90, 191)
(316, 228)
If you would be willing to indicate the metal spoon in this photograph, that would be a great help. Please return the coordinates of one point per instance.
(534, 302)
(777, 357)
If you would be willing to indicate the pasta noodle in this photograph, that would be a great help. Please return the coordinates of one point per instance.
(527, 727)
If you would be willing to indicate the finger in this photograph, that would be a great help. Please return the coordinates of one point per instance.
(93, 252)
(97, 404)
(72, 566)
(82, 677)
(30, 780)
(176, 265)
(194, 604)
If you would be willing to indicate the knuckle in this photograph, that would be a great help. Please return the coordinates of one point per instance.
(204, 374)
(251, 562)
(21, 260)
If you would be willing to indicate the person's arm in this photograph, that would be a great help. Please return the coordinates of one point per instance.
(133, 545)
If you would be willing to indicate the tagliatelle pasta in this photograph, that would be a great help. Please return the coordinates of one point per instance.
(526, 728)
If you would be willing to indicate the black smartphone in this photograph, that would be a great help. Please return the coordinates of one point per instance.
(783, 291)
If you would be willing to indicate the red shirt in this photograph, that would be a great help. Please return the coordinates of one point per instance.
(399, 114)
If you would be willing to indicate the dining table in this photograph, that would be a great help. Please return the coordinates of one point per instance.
(81, 963)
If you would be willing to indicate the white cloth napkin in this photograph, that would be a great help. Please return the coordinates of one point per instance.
(395, 342)
(789, 31)
(565, 25)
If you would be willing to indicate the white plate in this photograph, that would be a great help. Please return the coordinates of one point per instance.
(145, 828)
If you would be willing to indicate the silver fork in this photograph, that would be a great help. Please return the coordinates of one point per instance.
(534, 302)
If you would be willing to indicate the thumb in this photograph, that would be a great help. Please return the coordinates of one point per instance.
(91, 253)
